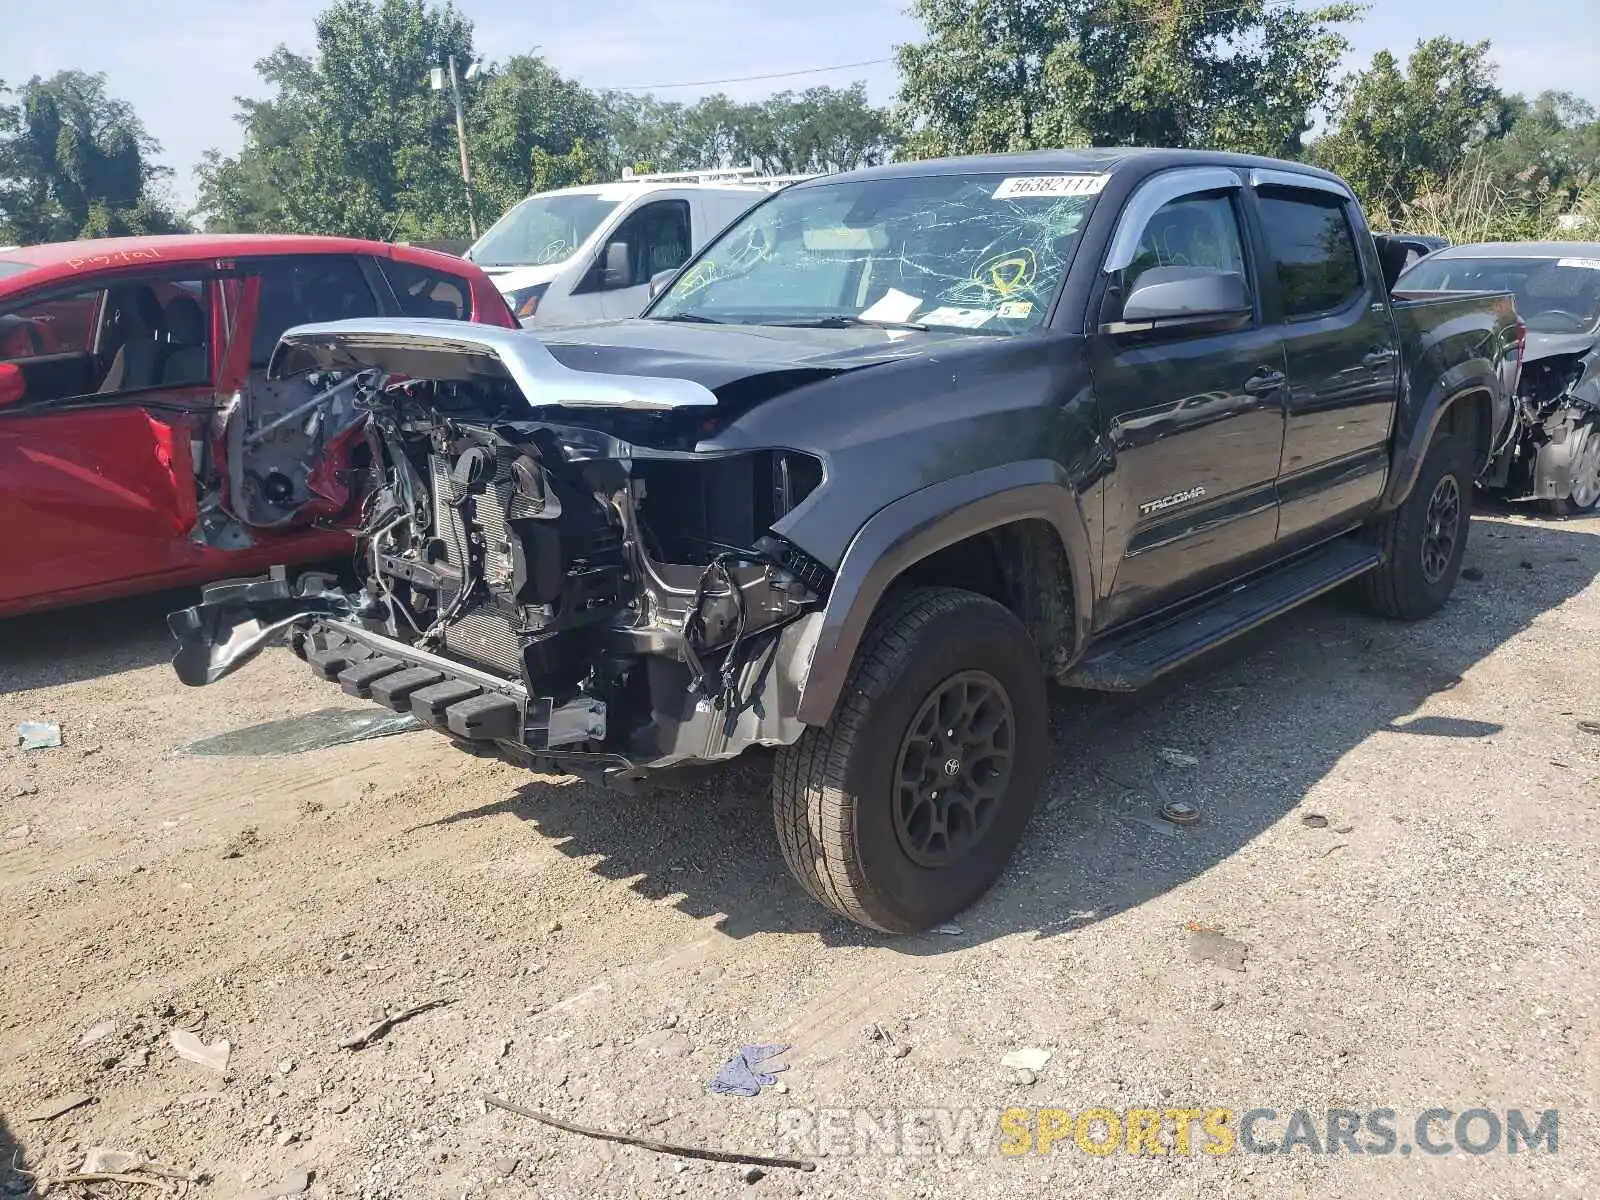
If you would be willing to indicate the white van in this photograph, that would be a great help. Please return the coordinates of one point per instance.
(584, 254)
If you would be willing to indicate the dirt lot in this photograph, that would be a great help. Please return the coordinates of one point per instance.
(1431, 945)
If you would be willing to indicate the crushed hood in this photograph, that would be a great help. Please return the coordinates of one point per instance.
(1550, 345)
(636, 364)
(455, 351)
(718, 356)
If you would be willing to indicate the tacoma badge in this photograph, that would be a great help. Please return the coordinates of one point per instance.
(1154, 506)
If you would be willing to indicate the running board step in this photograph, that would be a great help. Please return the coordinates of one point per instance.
(1127, 662)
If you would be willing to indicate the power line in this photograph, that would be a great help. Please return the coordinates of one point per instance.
(661, 87)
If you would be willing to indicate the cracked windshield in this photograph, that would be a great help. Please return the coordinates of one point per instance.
(979, 252)
(541, 230)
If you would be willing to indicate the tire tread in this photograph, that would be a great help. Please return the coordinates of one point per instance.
(812, 807)
(1396, 589)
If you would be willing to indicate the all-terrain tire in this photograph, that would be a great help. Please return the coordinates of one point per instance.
(1403, 587)
(835, 792)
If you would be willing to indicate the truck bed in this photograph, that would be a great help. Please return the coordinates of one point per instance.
(1439, 331)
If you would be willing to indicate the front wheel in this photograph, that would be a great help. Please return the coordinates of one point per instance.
(1585, 494)
(1423, 540)
(905, 807)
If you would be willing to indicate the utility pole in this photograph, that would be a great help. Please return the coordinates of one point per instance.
(461, 141)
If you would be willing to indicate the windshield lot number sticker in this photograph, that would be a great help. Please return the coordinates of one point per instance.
(1021, 186)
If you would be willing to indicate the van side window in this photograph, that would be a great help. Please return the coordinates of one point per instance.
(1312, 249)
(658, 239)
(424, 292)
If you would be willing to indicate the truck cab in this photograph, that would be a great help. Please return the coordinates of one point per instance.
(583, 254)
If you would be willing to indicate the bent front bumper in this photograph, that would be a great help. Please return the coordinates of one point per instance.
(487, 713)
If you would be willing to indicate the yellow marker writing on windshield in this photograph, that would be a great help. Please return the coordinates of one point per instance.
(1007, 273)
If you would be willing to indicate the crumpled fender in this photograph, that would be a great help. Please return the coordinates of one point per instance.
(921, 524)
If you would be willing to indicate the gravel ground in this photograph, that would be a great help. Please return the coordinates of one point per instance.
(1427, 945)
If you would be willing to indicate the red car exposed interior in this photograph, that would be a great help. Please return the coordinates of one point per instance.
(142, 445)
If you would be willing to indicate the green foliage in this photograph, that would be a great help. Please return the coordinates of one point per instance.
(356, 142)
(532, 130)
(820, 129)
(1005, 75)
(76, 163)
(353, 140)
(1552, 147)
(1474, 204)
(1397, 133)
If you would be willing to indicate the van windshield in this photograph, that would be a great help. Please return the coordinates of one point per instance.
(984, 252)
(541, 230)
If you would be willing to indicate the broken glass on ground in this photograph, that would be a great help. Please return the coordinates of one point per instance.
(297, 735)
(38, 735)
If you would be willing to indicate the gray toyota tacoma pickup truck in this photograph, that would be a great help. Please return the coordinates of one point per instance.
(896, 449)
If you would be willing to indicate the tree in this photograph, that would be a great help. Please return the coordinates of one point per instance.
(1005, 75)
(354, 141)
(820, 129)
(1396, 133)
(533, 130)
(1552, 146)
(76, 163)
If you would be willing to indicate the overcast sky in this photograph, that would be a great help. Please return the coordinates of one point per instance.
(182, 64)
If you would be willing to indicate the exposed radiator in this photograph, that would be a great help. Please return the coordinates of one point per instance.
(483, 634)
(498, 501)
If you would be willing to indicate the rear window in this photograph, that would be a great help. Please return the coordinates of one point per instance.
(1554, 295)
(301, 291)
(424, 292)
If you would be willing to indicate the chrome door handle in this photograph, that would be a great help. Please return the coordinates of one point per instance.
(1264, 382)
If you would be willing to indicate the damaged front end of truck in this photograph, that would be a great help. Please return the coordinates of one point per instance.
(548, 569)
(1551, 452)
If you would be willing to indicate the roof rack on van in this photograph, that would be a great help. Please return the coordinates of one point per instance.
(746, 176)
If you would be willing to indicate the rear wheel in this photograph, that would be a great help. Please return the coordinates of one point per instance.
(905, 808)
(1423, 540)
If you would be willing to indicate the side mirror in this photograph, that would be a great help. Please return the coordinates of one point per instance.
(1186, 295)
(660, 280)
(616, 271)
(13, 384)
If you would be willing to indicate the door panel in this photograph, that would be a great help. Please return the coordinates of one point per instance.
(1196, 460)
(99, 495)
(1194, 417)
(103, 487)
(1343, 361)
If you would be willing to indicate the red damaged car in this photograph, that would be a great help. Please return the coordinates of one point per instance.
(142, 445)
